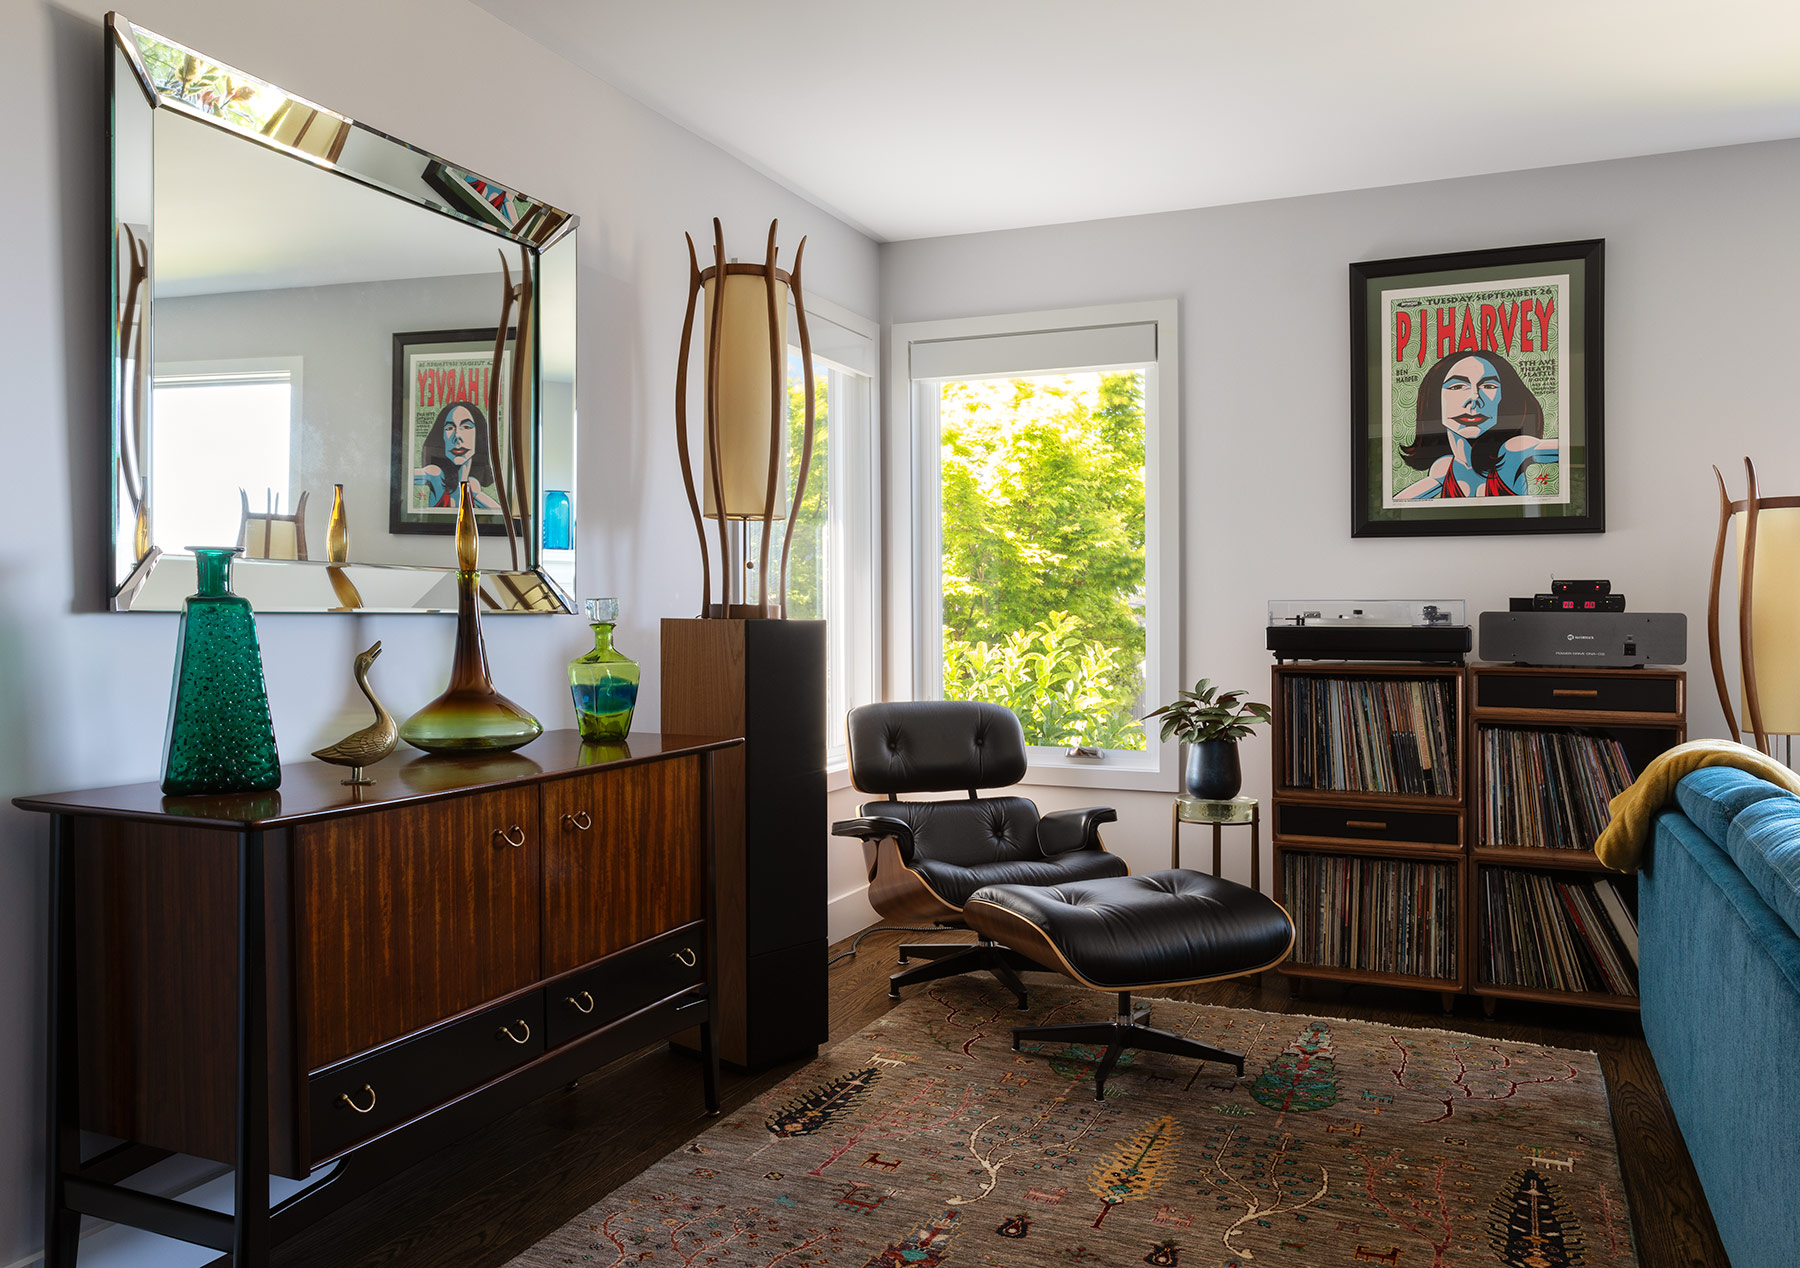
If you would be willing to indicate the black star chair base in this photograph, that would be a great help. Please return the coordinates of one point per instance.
(926, 857)
(1135, 933)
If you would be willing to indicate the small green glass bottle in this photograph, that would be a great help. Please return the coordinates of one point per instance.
(605, 681)
(219, 737)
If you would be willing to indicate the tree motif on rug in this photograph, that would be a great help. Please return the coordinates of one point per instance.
(1303, 1077)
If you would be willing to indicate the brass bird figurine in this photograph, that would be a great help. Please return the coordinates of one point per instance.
(373, 742)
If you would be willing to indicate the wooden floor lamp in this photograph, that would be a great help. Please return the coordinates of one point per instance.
(1768, 612)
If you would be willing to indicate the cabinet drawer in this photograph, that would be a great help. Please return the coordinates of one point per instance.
(1564, 691)
(624, 982)
(368, 1094)
(1422, 827)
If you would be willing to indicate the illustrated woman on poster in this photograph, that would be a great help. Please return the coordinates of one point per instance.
(455, 449)
(1477, 428)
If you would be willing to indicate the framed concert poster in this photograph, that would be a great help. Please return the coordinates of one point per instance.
(442, 434)
(1476, 384)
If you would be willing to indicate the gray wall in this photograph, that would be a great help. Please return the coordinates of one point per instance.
(1702, 265)
(83, 693)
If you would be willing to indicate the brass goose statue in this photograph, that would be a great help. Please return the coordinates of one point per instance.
(373, 742)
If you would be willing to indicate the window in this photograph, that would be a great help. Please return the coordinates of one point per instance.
(217, 431)
(1042, 535)
(832, 571)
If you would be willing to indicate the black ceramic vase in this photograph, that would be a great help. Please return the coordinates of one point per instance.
(1213, 773)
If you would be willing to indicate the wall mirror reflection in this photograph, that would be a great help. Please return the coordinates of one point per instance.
(320, 334)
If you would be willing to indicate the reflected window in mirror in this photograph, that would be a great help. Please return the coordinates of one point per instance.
(224, 439)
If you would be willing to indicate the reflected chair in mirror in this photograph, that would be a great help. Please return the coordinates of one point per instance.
(925, 858)
(268, 534)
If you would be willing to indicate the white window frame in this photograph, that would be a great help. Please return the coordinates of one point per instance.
(915, 598)
(853, 619)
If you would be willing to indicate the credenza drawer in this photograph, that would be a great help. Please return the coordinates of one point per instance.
(1339, 823)
(367, 1094)
(1606, 694)
(624, 982)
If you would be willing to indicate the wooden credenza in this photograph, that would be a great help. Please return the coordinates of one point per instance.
(346, 979)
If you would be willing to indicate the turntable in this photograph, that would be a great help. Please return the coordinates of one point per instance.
(1429, 631)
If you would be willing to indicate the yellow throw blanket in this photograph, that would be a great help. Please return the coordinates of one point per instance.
(1621, 846)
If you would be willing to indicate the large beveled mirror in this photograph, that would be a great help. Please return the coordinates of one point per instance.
(319, 334)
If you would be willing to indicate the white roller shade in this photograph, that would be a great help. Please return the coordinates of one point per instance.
(1036, 352)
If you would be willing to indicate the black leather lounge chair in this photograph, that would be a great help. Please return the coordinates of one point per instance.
(926, 858)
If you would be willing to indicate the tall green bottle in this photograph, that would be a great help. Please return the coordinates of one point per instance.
(219, 738)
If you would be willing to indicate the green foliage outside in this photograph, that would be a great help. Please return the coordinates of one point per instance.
(808, 558)
(202, 84)
(1043, 552)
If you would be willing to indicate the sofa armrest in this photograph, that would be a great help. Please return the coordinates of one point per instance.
(876, 828)
(1062, 831)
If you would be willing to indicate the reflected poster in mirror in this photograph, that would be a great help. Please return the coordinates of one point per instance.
(443, 434)
(303, 327)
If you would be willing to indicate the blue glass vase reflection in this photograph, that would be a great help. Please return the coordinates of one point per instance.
(559, 521)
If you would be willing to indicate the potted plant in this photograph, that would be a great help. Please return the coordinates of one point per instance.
(1211, 722)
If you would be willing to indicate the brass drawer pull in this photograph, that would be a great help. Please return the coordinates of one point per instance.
(360, 1109)
(1586, 693)
(579, 1007)
(1374, 825)
(686, 956)
(579, 821)
(522, 1024)
(513, 836)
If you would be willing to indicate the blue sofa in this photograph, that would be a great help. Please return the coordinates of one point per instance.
(1719, 975)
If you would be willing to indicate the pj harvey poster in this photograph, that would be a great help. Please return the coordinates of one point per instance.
(1475, 392)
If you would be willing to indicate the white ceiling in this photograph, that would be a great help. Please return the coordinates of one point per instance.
(914, 118)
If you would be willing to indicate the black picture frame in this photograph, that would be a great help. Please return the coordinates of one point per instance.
(1567, 495)
(472, 348)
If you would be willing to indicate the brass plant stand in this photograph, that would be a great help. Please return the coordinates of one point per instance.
(1237, 810)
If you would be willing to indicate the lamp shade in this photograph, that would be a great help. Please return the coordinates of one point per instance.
(1774, 616)
(750, 403)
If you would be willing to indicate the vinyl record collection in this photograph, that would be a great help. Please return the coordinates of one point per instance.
(1553, 934)
(1548, 788)
(1379, 735)
(1378, 915)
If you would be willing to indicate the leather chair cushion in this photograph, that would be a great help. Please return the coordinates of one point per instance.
(1128, 932)
(954, 882)
(934, 746)
(964, 832)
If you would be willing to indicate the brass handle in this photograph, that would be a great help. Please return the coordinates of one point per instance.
(578, 1005)
(686, 956)
(507, 1031)
(579, 821)
(1587, 693)
(360, 1109)
(513, 836)
(1373, 824)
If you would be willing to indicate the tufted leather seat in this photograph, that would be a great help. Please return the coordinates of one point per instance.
(1129, 933)
(926, 857)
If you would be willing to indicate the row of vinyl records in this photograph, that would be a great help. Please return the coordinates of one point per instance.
(1548, 788)
(1554, 934)
(1377, 915)
(1379, 735)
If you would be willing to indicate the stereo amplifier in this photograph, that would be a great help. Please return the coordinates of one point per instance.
(1594, 639)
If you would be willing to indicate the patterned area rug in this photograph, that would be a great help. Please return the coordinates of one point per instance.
(925, 1140)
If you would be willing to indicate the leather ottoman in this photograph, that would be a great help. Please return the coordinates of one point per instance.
(1133, 933)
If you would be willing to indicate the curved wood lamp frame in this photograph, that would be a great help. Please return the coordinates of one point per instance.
(1750, 506)
(765, 605)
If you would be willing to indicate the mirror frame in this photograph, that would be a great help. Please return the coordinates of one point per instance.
(354, 151)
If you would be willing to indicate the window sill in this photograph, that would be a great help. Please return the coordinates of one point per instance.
(837, 777)
(1141, 772)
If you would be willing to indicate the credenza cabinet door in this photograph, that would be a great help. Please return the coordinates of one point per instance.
(408, 916)
(622, 859)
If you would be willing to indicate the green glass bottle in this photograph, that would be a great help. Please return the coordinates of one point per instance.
(605, 681)
(471, 716)
(219, 737)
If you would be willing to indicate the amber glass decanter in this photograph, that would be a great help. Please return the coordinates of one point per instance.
(470, 717)
(605, 681)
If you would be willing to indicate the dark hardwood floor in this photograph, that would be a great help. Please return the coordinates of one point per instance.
(498, 1191)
